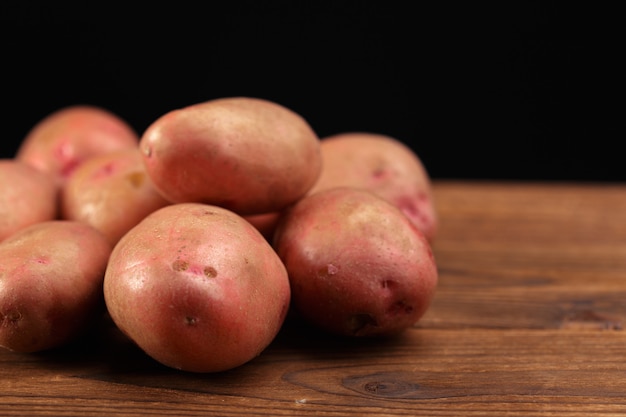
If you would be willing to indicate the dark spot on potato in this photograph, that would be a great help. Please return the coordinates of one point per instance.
(380, 173)
(191, 321)
(387, 283)
(400, 307)
(43, 260)
(358, 322)
(179, 265)
(10, 318)
(136, 178)
(210, 272)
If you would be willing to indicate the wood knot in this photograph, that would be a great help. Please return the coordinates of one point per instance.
(388, 385)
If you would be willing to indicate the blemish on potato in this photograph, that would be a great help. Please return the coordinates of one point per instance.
(64, 151)
(10, 318)
(147, 151)
(332, 269)
(136, 179)
(210, 272)
(400, 307)
(191, 321)
(328, 270)
(106, 170)
(387, 283)
(380, 173)
(408, 207)
(179, 265)
(69, 167)
(43, 260)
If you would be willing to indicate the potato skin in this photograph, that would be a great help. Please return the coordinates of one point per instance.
(27, 196)
(51, 278)
(197, 288)
(357, 266)
(62, 140)
(245, 154)
(111, 192)
(383, 165)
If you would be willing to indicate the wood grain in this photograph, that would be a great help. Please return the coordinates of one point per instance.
(527, 321)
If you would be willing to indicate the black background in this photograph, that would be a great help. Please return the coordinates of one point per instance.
(480, 90)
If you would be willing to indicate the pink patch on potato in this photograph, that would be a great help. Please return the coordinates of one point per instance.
(64, 139)
(382, 165)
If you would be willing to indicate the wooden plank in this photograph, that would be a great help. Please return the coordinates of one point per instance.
(515, 255)
(527, 321)
(424, 372)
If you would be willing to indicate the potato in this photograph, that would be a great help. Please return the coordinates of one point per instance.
(248, 155)
(357, 266)
(27, 196)
(51, 278)
(197, 288)
(383, 165)
(110, 192)
(61, 141)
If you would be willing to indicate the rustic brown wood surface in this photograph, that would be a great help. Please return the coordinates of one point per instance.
(527, 321)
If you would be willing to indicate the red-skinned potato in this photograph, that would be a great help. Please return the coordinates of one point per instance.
(110, 192)
(62, 140)
(27, 196)
(383, 165)
(197, 287)
(357, 266)
(51, 278)
(248, 155)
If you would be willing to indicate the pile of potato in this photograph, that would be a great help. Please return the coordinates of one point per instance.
(199, 236)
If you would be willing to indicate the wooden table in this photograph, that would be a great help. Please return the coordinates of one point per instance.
(527, 321)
